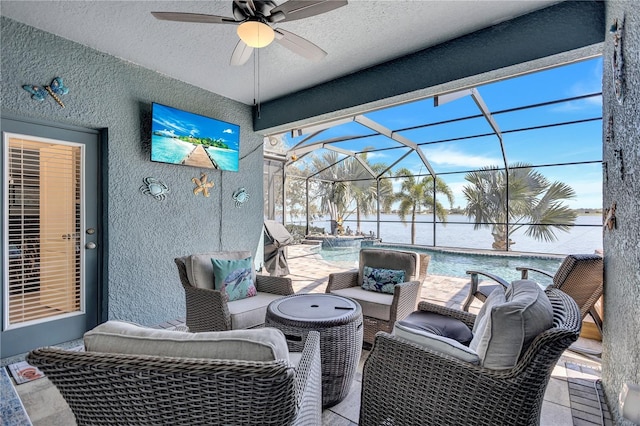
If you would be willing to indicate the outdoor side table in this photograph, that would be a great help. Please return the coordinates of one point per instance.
(339, 321)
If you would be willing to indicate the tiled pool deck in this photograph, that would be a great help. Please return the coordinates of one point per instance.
(573, 396)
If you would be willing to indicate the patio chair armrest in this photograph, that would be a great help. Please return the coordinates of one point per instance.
(474, 276)
(466, 317)
(207, 310)
(473, 288)
(405, 299)
(341, 280)
(525, 272)
(309, 374)
(274, 285)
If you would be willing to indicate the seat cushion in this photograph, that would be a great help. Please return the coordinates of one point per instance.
(507, 324)
(263, 344)
(381, 280)
(200, 270)
(374, 304)
(436, 343)
(233, 278)
(250, 312)
(440, 325)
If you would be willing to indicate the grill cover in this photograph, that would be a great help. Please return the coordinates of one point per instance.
(276, 238)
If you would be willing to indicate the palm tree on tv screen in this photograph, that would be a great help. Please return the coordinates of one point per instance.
(534, 203)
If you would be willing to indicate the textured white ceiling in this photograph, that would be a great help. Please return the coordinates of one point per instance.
(359, 35)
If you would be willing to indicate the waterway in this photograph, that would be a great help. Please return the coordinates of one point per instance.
(584, 237)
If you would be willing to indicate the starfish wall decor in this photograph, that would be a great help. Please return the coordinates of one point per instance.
(202, 185)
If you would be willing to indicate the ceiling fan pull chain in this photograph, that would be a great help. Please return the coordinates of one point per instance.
(256, 81)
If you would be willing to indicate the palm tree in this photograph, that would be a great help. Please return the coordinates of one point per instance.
(364, 189)
(532, 199)
(347, 187)
(415, 193)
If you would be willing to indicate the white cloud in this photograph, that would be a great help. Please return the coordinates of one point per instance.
(591, 83)
(230, 131)
(579, 105)
(451, 157)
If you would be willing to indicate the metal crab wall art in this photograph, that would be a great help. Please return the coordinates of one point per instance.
(240, 197)
(155, 188)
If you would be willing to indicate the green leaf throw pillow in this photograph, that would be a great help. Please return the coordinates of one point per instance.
(381, 280)
(233, 278)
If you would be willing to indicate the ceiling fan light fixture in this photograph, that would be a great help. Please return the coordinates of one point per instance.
(255, 33)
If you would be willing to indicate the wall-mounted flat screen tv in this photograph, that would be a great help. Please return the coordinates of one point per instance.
(181, 137)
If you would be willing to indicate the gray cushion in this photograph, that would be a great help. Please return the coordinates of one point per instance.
(440, 325)
(436, 343)
(200, 270)
(250, 312)
(408, 261)
(504, 329)
(374, 304)
(496, 297)
(263, 344)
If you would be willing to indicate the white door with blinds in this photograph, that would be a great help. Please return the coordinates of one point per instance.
(47, 238)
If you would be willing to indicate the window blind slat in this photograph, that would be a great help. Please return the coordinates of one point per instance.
(43, 224)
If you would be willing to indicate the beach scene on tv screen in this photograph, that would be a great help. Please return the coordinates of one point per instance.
(180, 137)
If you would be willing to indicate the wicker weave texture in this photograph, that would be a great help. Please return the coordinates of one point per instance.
(208, 310)
(405, 298)
(581, 277)
(404, 384)
(340, 346)
(404, 301)
(117, 389)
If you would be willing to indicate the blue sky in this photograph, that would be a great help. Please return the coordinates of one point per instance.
(560, 144)
(184, 123)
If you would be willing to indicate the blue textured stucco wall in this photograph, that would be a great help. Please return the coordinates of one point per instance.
(144, 235)
(621, 154)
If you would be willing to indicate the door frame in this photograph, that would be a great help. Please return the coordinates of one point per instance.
(57, 131)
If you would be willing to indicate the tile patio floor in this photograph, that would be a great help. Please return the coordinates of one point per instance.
(572, 396)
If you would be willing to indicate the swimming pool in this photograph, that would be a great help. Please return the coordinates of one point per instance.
(456, 264)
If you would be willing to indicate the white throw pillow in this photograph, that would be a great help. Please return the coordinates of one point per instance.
(437, 343)
(262, 344)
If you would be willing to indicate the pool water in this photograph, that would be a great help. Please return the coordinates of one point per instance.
(456, 264)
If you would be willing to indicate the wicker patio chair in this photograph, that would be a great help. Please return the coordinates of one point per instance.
(380, 311)
(111, 388)
(405, 384)
(579, 275)
(209, 310)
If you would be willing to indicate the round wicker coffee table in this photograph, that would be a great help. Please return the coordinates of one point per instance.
(339, 321)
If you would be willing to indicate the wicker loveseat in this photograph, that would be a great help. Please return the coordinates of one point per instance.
(405, 383)
(133, 389)
(380, 310)
(209, 310)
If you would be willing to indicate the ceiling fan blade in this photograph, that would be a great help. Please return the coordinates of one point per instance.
(241, 54)
(298, 9)
(299, 45)
(193, 17)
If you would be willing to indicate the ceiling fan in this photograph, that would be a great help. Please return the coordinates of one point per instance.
(255, 20)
